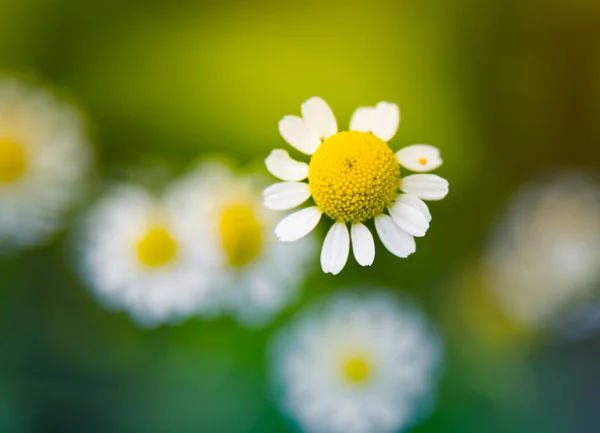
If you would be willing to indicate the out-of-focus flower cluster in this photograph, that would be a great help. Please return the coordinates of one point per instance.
(205, 246)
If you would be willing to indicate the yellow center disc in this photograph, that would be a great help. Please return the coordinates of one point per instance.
(357, 370)
(12, 161)
(241, 234)
(353, 176)
(157, 248)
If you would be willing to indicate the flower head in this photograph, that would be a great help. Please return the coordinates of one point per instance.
(136, 255)
(357, 364)
(353, 177)
(543, 262)
(44, 159)
(251, 274)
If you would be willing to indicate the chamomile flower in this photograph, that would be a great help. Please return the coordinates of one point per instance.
(357, 364)
(44, 157)
(543, 262)
(135, 255)
(252, 275)
(353, 177)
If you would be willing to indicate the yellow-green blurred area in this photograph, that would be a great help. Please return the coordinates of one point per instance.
(506, 89)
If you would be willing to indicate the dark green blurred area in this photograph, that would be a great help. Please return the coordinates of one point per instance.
(506, 90)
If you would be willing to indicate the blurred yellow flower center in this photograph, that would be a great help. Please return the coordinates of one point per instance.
(241, 234)
(357, 370)
(353, 176)
(12, 161)
(157, 248)
(422, 161)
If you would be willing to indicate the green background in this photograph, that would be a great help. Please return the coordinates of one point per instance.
(506, 89)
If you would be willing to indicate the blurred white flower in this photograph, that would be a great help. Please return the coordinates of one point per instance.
(357, 363)
(252, 275)
(353, 177)
(44, 157)
(136, 255)
(544, 259)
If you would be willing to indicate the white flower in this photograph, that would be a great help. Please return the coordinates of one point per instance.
(357, 364)
(544, 259)
(136, 255)
(253, 275)
(44, 158)
(353, 177)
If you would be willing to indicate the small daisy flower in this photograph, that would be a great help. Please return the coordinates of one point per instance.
(543, 261)
(252, 275)
(357, 364)
(135, 255)
(44, 157)
(353, 177)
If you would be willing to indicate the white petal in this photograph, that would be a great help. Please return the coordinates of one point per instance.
(281, 165)
(419, 157)
(294, 130)
(409, 218)
(415, 202)
(363, 119)
(425, 186)
(387, 119)
(396, 240)
(363, 245)
(286, 195)
(336, 248)
(319, 117)
(298, 224)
